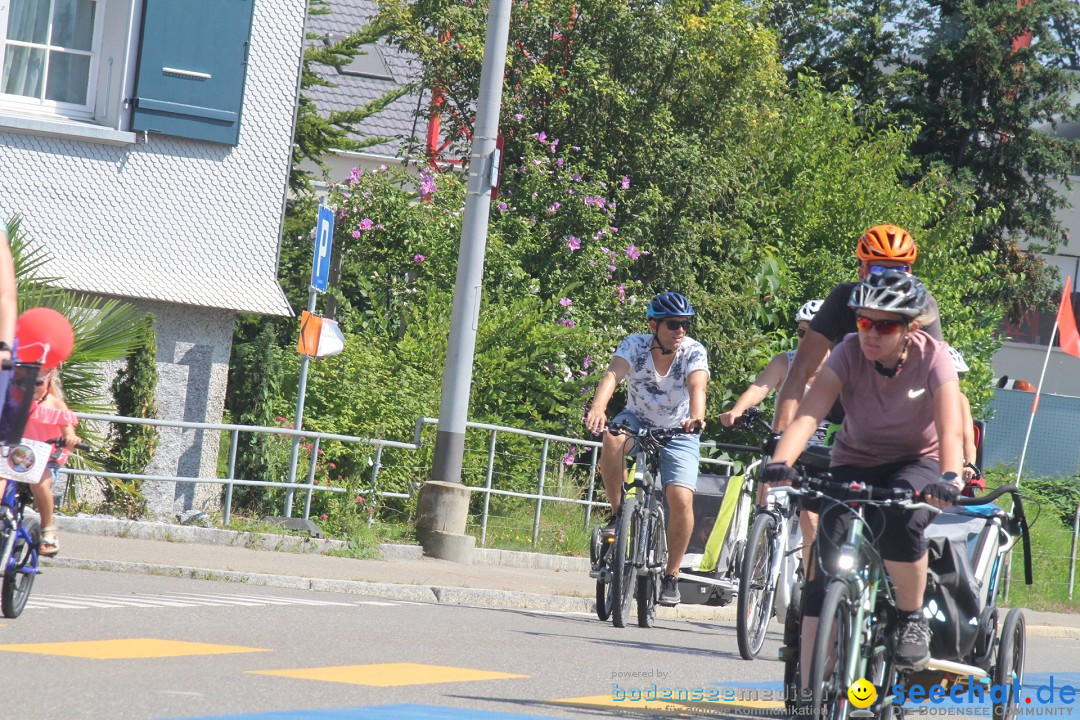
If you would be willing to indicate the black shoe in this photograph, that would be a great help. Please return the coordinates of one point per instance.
(913, 645)
(607, 532)
(669, 591)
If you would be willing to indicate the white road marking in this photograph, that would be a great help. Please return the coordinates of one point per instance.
(180, 600)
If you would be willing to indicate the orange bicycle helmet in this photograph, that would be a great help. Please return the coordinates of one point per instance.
(887, 242)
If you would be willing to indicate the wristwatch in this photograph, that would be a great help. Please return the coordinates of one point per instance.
(949, 477)
(4, 346)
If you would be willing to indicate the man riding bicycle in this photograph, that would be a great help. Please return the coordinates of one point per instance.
(666, 373)
(902, 429)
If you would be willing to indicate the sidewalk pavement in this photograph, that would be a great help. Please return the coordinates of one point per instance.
(497, 578)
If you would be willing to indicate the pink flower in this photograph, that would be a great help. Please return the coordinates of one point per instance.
(427, 184)
(567, 322)
(418, 258)
(633, 252)
(518, 116)
(625, 184)
(324, 516)
(366, 224)
(356, 233)
(502, 206)
(587, 362)
(566, 302)
(568, 459)
(573, 243)
(541, 136)
(622, 292)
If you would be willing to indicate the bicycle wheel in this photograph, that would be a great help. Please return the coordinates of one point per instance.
(622, 562)
(16, 585)
(599, 554)
(790, 652)
(756, 591)
(648, 589)
(1009, 670)
(828, 665)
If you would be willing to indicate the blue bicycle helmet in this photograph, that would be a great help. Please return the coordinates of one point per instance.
(669, 304)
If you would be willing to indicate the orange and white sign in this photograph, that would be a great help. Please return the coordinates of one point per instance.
(319, 337)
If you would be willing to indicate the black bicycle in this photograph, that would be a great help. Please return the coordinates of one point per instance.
(638, 554)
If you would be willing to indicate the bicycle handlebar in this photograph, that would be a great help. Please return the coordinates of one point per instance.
(1018, 516)
(59, 442)
(655, 433)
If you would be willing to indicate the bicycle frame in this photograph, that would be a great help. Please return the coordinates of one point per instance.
(644, 484)
(779, 505)
(863, 570)
(11, 512)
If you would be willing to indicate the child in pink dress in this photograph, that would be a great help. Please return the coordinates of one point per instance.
(50, 418)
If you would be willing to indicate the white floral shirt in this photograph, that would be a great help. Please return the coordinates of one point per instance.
(660, 400)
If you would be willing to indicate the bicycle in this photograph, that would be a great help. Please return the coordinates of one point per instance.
(770, 579)
(855, 636)
(20, 536)
(638, 554)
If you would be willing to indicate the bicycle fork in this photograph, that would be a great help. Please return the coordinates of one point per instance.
(11, 530)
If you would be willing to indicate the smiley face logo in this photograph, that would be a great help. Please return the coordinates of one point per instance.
(862, 693)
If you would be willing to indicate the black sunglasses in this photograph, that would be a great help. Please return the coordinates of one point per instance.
(801, 332)
(674, 325)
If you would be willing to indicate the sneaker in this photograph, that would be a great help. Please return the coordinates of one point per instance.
(607, 532)
(913, 648)
(669, 591)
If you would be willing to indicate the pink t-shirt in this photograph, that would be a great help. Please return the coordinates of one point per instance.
(44, 424)
(889, 419)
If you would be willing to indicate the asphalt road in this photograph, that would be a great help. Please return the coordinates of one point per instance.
(125, 646)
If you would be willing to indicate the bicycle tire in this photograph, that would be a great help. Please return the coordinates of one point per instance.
(16, 584)
(623, 577)
(756, 592)
(603, 600)
(828, 684)
(648, 589)
(1010, 661)
(793, 698)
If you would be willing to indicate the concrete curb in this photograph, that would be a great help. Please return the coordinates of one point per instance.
(166, 532)
(389, 591)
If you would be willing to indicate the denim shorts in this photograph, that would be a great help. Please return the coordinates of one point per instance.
(679, 459)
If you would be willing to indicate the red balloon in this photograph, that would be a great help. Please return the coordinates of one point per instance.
(44, 336)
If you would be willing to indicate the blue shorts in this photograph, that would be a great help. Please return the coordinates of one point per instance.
(679, 459)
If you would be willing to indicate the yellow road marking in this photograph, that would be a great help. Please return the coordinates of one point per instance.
(389, 674)
(125, 649)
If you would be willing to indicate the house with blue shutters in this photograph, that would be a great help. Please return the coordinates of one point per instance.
(146, 143)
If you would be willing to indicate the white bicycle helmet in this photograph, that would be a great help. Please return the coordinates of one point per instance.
(808, 311)
(958, 360)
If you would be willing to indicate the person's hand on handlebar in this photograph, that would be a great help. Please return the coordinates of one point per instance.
(943, 493)
(728, 419)
(693, 425)
(69, 436)
(778, 474)
(595, 420)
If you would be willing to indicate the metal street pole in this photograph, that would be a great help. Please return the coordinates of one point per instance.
(442, 509)
(299, 419)
(457, 374)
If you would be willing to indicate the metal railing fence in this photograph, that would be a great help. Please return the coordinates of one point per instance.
(310, 486)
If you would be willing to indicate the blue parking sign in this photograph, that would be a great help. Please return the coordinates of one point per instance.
(324, 241)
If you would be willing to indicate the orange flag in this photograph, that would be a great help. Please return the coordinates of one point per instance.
(1067, 333)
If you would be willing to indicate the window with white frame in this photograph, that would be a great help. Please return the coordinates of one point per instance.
(50, 55)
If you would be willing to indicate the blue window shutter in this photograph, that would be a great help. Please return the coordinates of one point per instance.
(192, 63)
